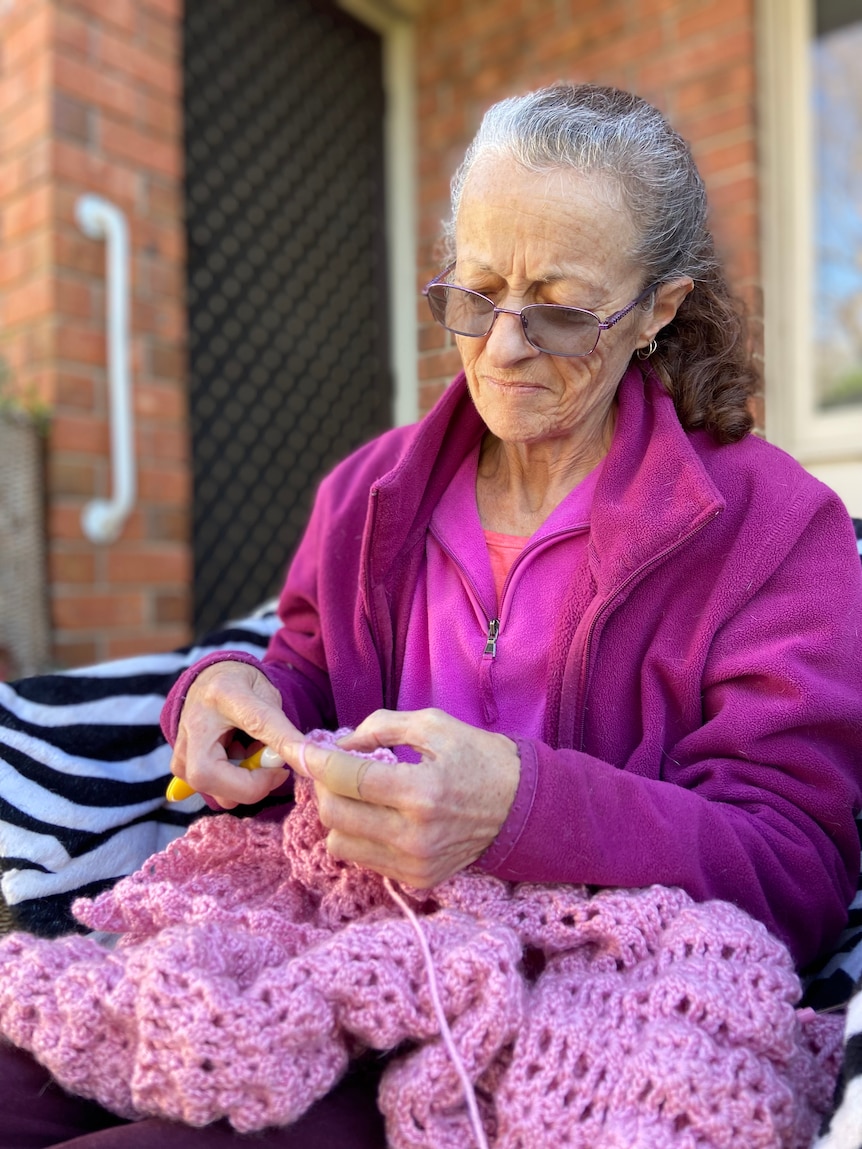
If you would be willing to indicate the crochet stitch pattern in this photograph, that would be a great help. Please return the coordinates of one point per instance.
(250, 966)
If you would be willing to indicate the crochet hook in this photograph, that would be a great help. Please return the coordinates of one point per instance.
(178, 788)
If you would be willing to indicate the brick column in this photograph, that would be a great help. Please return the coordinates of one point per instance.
(100, 111)
(26, 199)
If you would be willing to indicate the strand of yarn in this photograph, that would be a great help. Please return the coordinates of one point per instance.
(445, 1031)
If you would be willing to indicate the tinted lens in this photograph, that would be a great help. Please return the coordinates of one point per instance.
(561, 330)
(459, 310)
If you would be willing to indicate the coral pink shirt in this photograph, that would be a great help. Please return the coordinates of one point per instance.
(502, 551)
(483, 618)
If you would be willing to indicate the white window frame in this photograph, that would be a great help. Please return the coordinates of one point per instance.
(393, 20)
(793, 420)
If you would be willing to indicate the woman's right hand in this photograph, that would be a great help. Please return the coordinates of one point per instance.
(227, 698)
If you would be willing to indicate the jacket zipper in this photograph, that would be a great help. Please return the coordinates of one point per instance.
(493, 624)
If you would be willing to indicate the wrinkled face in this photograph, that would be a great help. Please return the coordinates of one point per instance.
(550, 237)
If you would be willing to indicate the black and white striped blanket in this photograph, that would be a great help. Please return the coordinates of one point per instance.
(83, 771)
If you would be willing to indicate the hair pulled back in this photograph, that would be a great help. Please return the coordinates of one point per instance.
(703, 355)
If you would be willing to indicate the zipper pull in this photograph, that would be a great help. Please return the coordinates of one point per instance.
(493, 634)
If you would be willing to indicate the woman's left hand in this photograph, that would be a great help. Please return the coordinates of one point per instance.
(418, 823)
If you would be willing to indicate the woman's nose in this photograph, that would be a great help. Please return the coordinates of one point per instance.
(507, 341)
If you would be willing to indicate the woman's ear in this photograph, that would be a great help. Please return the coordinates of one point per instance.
(668, 298)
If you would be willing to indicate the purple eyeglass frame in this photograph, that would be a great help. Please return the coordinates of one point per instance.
(601, 324)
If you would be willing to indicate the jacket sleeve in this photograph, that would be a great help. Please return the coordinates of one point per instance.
(294, 661)
(320, 609)
(303, 700)
(755, 805)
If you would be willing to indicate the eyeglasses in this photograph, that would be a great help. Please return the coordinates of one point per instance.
(549, 327)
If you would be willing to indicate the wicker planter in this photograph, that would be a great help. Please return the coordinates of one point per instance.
(24, 632)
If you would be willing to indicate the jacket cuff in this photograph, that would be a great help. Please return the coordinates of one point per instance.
(493, 861)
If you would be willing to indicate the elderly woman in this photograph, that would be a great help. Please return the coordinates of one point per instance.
(620, 632)
(614, 636)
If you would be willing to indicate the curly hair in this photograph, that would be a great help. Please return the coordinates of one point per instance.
(703, 357)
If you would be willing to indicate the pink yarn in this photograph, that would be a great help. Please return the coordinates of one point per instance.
(251, 965)
(442, 1020)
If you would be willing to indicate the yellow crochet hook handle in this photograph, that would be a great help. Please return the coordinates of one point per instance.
(178, 789)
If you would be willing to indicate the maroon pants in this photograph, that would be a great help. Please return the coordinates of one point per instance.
(36, 1113)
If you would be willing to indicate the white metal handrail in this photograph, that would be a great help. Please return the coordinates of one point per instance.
(103, 519)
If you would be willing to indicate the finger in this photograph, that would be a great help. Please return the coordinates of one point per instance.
(261, 718)
(230, 785)
(420, 729)
(235, 696)
(178, 789)
(351, 776)
(377, 856)
(420, 874)
(382, 728)
(358, 819)
(210, 771)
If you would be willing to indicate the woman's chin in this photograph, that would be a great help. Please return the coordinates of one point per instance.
(525, 425)
(515, 417)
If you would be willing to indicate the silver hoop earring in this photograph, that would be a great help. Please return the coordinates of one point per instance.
(645, 352)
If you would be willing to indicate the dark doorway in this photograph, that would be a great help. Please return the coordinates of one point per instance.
(288, 341)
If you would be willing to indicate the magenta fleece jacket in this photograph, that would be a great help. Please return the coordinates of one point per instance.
(704, 713)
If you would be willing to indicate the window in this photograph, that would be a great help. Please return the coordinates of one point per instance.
(837, 153)
(811, 148)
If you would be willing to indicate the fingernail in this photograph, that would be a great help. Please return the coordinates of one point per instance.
(269, 759)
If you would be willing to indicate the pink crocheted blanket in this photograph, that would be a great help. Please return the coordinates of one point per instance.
(251, 966)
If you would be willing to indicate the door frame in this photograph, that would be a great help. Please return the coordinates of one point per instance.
(394, 22)
(828, 443)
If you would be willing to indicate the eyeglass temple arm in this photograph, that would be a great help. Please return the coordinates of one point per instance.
(606, 324)
(437, 278)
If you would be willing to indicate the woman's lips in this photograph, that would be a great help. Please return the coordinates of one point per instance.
(513, 384)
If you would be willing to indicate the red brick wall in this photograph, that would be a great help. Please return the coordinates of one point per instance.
(26, 198)
(91, 102)
(693, 58)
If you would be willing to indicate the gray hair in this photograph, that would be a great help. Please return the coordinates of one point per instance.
(704, 356)
(603, 130)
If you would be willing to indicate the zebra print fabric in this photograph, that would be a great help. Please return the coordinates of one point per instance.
(83, 771)
(843, 1128)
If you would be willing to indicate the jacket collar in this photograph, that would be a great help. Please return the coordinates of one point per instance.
(654, 490)
(404, 499)
(652, 493)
